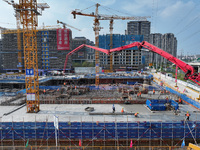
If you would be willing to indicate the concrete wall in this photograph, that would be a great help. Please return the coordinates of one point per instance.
(86, 69)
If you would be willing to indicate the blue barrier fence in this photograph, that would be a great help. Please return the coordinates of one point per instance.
(49, 87)
(184, 97)
(159, 104)
(108, 130)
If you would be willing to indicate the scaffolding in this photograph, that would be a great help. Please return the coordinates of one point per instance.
(99, 133)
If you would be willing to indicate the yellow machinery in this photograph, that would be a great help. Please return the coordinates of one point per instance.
(28, 10)
(193, 147)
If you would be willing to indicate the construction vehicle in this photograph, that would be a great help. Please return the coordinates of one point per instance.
(97, 28)
(190, 72)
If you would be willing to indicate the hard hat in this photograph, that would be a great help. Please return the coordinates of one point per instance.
(138, 112)
(187, 111)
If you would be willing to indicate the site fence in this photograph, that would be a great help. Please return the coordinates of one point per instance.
(69, 131)
(184, 97)
(94, 148)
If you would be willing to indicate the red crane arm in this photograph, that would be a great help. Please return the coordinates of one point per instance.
(187, 69)
(80, 47)
(182, 65)
(125, 47)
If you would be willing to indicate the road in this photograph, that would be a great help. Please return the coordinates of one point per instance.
(181, 85)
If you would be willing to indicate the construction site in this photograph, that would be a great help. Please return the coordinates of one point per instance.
(47, 104)
(85, 112)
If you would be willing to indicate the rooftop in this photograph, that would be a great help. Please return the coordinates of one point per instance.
(76, 112)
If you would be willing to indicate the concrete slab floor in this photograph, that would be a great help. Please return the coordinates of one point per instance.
(76, 112)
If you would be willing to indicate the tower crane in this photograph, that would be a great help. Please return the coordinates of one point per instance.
(64, 25)
(96, 30)
(98, 17)
(28, 11)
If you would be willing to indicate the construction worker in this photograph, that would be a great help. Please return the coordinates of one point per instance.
(113, 108)
(44, 91)
(140, 93)
(187, 116)
(64, 83)
(167, 98)
(122, 111)
(180, 100)
(160, 91)
(136, 114)
(153, 91)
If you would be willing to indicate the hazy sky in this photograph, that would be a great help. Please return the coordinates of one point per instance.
(181, 17)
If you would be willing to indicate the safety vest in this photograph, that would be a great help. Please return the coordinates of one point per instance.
(187, 114)
(179, 100)
(122, 110)
(136, 114)
(153, 91)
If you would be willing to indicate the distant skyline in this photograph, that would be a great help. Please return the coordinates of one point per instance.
(180, 17)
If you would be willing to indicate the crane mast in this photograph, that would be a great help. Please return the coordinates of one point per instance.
(96, 30)
(28, 10)
(29, 21)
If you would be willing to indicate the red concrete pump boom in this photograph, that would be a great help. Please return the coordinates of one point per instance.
(80, 47)
(187, 69)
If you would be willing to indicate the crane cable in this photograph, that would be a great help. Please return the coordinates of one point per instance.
(105, 7)
(88, 8)
(195, 20)
(156, 17)
(183, 18)
(152, 16)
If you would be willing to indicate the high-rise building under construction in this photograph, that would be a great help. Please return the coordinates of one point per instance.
(139, 28)
(130, 58)
(166, 42)
(51, 49)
